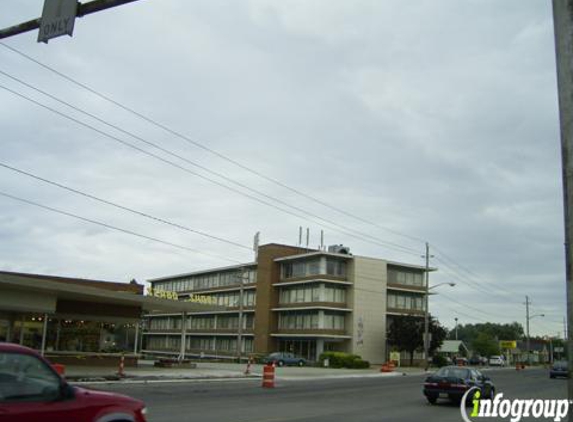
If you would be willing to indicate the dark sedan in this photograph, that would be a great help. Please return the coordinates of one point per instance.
(559, 369)
(452, 382)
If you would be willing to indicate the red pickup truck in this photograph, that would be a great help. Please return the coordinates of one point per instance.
(31, 390)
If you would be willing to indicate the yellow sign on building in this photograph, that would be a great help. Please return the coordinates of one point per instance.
(166, 294)
(507, 344)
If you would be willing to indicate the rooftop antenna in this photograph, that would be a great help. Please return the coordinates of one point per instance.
(256, 241)
(307, 237)
(322, 240)
(299, 235)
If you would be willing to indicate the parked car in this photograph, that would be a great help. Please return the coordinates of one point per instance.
(31, 390)
(284, 358)
(452, 382)
(559, 369)
(496, 361)
(478, 360)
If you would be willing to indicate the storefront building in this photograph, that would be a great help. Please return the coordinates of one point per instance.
(71, 317)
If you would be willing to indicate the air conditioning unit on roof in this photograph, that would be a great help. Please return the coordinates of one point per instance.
(341, 249)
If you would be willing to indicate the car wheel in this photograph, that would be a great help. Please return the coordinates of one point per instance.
(280, 363)
(491, 393)
(301, 363)
(432, 399)
(551, 376)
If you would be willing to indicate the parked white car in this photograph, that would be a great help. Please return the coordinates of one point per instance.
(496, 361)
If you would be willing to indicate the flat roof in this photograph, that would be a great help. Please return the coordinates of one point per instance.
(313, 254)
(211, 270)
(52, 290)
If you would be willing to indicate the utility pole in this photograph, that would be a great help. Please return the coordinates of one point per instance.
(563, 25)
(527, 329)
(82, 10)
(427, 314)
(456, 319)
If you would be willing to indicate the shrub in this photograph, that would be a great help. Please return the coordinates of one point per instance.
(343, 360)
(440, 361)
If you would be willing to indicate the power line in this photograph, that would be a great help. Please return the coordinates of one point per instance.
(474, 308)
(111, 227)
(122, 207)
(501, 287)
(360, 236)
(204, 147)
(474, 285)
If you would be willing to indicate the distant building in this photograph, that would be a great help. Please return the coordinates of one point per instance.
(293, 299)
(453, 348)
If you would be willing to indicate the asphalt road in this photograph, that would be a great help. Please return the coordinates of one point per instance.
(349, 400)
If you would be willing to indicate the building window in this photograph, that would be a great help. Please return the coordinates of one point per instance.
(298, 320)
(407, 278)
(202, 322)
(301, 268)
(228, 322)
(406, 301)
(336, 267)
(334, 321)
(201, 343)
(335, 294)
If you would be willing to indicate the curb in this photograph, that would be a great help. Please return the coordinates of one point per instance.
(252, 377)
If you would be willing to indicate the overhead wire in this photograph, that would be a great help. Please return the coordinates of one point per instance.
(474, 285)
(235, 162)
(470, 273)
(122, 207)
(342, 229)
(186, 160)
(116, 228)
(451, 299)
(201, 145)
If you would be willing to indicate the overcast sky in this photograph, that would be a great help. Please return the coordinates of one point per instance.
(413, 121)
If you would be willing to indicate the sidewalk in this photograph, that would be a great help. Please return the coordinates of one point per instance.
(220, 371)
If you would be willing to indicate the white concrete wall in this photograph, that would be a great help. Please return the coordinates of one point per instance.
(368, 301)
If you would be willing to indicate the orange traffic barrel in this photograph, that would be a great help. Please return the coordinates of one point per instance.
(268, 376)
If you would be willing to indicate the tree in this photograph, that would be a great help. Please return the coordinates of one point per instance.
(485, 345)
(406, 333)
(469, 332)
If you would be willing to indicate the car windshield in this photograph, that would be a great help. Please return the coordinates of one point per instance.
(451, 372)
(560, 364)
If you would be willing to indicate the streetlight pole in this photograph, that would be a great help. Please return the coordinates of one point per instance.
(456, 319)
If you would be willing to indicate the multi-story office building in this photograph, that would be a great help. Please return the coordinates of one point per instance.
(293, 299)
